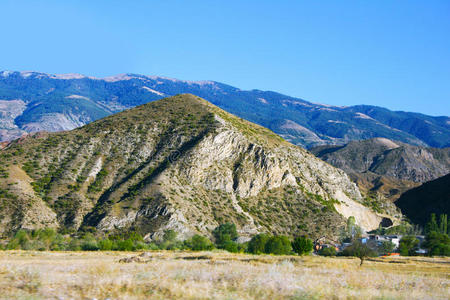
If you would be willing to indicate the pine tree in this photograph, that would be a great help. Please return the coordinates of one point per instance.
(432, 226)
(443, 223)
(351, 222)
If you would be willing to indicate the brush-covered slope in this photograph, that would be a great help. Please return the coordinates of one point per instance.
(178, 163)
(386, 167)
(61, 102)
(431, 197)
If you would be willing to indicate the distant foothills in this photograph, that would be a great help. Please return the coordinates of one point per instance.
(33, 101)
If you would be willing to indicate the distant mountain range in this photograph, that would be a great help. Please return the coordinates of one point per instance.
(32, 101)
(386, 167)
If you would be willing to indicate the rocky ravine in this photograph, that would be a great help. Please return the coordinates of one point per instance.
(178, 163)
(386, 168)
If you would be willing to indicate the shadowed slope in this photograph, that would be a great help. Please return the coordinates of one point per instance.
(431, 197)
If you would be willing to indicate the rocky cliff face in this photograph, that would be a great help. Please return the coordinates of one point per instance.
(178, 163)
(387, 167)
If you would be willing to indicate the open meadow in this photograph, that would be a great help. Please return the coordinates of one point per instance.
(217, 275)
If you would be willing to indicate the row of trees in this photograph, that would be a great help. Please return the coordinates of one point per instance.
(225, 237)
(279, 245)
(50, 240)
(437, 240)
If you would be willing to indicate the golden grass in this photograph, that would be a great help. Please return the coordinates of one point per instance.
(217, 275)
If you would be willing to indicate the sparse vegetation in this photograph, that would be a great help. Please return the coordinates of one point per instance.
(3, 172)
(7, 195)
(373, 203)
(401, 229)
(97, 185)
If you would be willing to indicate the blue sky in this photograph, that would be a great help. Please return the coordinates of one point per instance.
(394, 54)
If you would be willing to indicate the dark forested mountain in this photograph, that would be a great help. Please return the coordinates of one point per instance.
(431, 197)
(385, 166)
(31, 101)
(178, 163)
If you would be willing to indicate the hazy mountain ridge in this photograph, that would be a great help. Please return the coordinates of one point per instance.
(178, 163)
(62, 102)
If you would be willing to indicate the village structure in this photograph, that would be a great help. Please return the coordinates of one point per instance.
(373, 241)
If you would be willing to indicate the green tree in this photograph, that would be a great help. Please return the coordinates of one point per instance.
(352, 230)
(125, 235)
(170, 235)
(231, 246)
(199, 243)
(432, 225)
(359, 250)
(45, 236)
(225, 233)
(302, 245)
(21, 240)
(278, 245)
(257, 244)
(443, 223)
(89, 245)
(408, 245)
(58, 243)
(437, 244)
(169, 240)
(105, 244)
(351, 221)
(13, 244)
(74, 245)
(124, 245)
(327, 251)
(386, 247)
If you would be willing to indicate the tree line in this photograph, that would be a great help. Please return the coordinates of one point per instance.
(437, 240)
(224, 237)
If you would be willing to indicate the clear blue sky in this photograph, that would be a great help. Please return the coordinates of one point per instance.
(394, 54)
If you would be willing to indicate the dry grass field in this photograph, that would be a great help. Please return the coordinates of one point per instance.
(217, 275)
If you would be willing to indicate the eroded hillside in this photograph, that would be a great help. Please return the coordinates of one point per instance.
(385, 168)
(178, 163)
